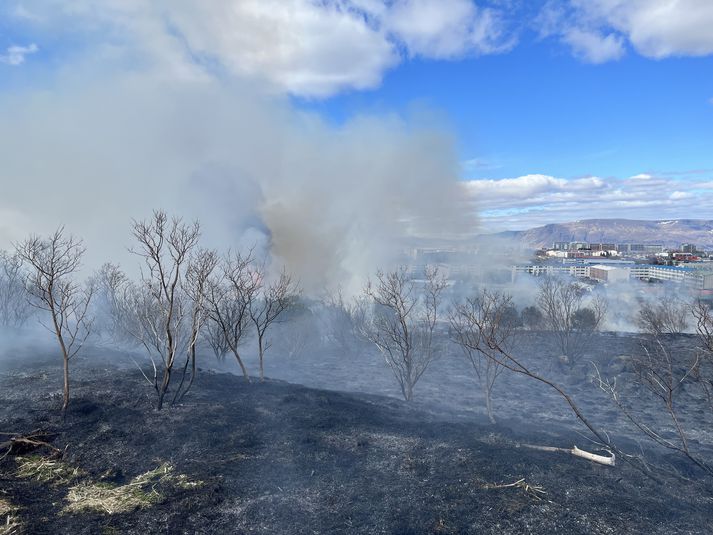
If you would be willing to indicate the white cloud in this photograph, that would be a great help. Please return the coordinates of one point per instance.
(297, 45)
(513, 188)
(305, 47)
(594, 47)
(531, 200)
(654, 28)
(445, 28)
(659, 28)
(530, 189)
(15, 55)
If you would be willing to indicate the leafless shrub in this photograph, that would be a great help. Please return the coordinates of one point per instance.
(704, 324)
(668, 316)
(663, 377)
(343, 322)
(403, 322)
(658, 372)
(214, 336)
(159, 310)
(109, 281)
(52, 264)
(200, 267)
(15, 309)
(228, 296)
(270, 301)
(572, 324)
(486, 313)
(491, 338)
(703, 373)
(532, 318)
(299, 329)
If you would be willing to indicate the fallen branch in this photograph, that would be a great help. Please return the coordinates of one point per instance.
(608, 460)
(535, 491)
(20, 444)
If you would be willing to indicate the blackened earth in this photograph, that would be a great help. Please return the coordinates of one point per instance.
(278, 457)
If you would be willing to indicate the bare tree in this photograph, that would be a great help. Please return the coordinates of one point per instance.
(561, 305)
(159, 304)
(52, 266)
(228, 296)
(108, 281)
(488, 314)
(532, 318)
(299, 330)
(133, 315)
(491, 337)
(216, 340)
(15, 309)
(662, 374)
(703, 315)
(270, 301)
(663, 377)
(657, 371)
(668, 316)
(343, 321)
(403, 323)
(200, 267)
(703, 373)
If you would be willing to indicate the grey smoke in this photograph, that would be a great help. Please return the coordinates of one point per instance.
(332, 203)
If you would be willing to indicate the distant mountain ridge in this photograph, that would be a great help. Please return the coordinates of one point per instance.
(669, 232)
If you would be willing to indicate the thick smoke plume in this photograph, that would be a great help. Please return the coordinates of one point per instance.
(332, 203)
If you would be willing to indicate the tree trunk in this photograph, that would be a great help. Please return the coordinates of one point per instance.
(488, 402)
(242, 366)
(65, 357)
(190, 359)
(261, 352)
(65, 402)
(164, 387)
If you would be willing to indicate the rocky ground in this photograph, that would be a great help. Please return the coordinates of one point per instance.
(280, 457)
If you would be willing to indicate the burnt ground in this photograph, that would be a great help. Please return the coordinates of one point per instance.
(279, 457)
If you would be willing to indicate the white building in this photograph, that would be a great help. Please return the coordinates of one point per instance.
(621, 271)
(609, 273)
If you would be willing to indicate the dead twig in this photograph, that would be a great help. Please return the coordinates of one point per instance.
(19, 444)
(535, 491)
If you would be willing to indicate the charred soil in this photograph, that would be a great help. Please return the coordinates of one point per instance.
(276, 457)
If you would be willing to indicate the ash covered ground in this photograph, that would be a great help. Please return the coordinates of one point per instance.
(326, 446)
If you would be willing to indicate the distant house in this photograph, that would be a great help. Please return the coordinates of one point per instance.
(609, 273)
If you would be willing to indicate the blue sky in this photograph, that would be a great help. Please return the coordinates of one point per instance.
(556, 110)
(537, 109)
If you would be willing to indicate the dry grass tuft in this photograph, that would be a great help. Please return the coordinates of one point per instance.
(107, 499)
(139, 493)
(46, 470)
(11, 526)
(6, 507)
(9, 523)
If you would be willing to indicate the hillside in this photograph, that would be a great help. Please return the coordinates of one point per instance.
(670, 233)
(283, 458)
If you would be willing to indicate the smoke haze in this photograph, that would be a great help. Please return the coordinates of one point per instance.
(330, 203)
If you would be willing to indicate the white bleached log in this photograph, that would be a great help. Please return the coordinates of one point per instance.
(608, 460)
